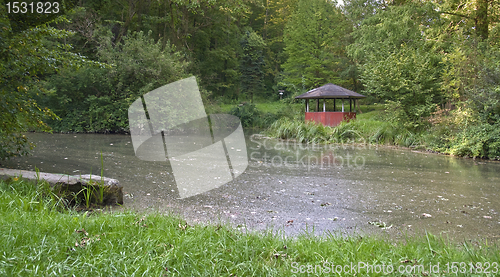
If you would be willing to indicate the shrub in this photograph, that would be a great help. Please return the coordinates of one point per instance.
(95, 99)
(247, 113)
(482, 140)
(252, 117)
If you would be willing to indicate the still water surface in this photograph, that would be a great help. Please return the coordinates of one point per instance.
(293, 187)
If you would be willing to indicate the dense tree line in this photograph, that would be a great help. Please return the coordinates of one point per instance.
(422, 58)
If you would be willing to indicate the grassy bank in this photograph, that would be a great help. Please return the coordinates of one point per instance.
(448, 136)
(40, 237)
(357, 131)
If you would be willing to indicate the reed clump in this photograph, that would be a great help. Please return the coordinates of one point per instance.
(355, 131)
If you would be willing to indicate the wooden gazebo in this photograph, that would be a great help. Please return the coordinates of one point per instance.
(330, 91)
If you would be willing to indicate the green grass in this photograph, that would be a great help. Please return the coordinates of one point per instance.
(374, 126)
(267, 107)
(40, 237)
(367, 130)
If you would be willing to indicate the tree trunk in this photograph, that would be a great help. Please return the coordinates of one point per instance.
(481, 19)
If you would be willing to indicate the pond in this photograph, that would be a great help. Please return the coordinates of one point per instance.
(290, 187)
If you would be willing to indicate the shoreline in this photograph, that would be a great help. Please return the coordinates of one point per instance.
(275, 195)
(387, 146)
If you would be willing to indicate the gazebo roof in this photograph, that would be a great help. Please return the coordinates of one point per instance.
(330, 91)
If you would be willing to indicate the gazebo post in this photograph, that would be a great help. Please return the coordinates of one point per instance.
(317, 105)
(342, 104)
(334, 105)
(350, 105)
(324, 105)
(307, 105)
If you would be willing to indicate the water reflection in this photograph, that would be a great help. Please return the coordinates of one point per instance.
(289, 186)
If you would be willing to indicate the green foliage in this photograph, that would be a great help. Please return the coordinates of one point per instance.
(210, 37)
(28, 51)
(252, 63)
(472, 19)
(481, 140)
(477, 140)
(482, 90)
(308, 132)
(262, 115)
(472, 82)
(315, 40)
(398, 64)
(273, 17)
(358, 10)
(22, 21)
(408, 80)
(247, 113)
(97, 99)
(389, 29)
(414, 57)
(354, 131)
(31, 197)
(251, 117)
(141, 63)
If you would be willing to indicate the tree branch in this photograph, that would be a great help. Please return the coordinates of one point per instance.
(457, 14)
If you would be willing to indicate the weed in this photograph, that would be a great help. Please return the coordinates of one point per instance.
(38, 240)
(87, 192)
(101, 184)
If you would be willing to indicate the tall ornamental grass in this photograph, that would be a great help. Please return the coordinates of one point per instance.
(355, 131)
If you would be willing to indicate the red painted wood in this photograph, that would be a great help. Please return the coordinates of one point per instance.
(330, 118)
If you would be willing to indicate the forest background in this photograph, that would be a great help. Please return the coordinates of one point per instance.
(430, 69)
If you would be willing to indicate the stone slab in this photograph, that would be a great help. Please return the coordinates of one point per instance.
(113, 193)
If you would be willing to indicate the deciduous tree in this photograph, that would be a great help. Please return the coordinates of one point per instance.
(315, 40)
(29, 49)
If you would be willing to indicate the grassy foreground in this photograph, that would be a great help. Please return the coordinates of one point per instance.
(40, 237)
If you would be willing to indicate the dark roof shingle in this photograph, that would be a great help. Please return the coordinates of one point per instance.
(330, 91)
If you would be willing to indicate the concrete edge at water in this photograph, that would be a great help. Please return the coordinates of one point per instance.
(112, 192)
